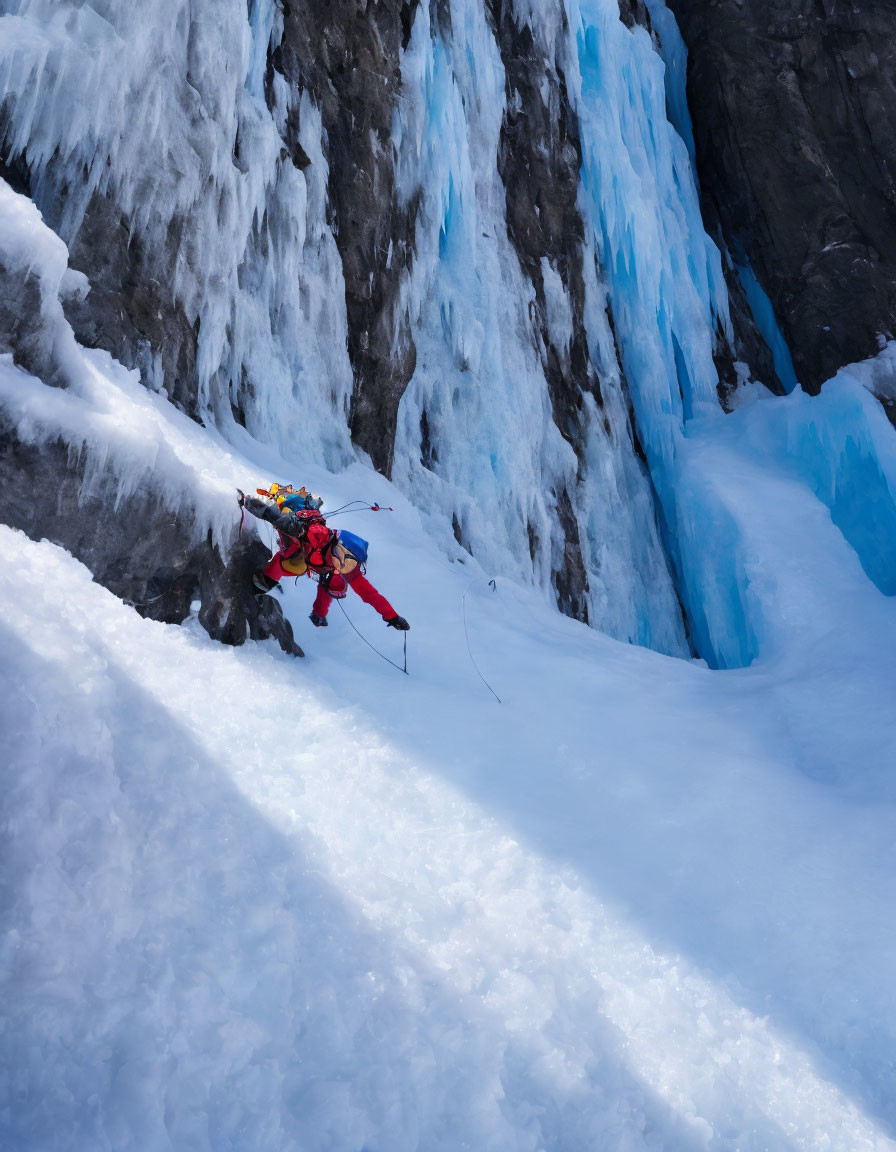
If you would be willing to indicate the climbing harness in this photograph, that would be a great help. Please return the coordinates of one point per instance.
(380, 654)
(494, 588)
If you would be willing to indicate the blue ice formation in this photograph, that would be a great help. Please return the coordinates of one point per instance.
(497, 464)
(841, 444)
(668, 296)
(186, 129)
(767, 323)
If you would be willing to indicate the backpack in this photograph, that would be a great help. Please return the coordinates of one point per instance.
(310, 535)
(348, 552)
(291, 500)
(353, 544)
(317, 535)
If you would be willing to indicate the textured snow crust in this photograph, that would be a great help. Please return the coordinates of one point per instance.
(261, 903)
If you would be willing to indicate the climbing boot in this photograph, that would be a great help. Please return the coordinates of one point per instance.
(262, 582)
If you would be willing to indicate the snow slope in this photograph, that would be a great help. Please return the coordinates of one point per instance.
(253, 902)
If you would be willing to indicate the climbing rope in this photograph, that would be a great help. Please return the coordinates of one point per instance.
(343, 507)
(380, 654)
(350, 507)
(494, 588)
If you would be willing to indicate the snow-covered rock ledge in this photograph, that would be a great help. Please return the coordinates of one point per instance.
(114, 473)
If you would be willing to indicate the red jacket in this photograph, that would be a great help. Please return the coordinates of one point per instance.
(306, 532)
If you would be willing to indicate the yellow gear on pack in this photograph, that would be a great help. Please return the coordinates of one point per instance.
(282, 492)
(291, 499)
(295, 565)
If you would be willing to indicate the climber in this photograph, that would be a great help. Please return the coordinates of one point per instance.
(308, 546)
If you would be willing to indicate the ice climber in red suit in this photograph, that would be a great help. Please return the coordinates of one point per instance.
(308, 546)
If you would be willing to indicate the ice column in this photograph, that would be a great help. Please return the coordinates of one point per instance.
(477, 444)
(667, 294)
(160, 108)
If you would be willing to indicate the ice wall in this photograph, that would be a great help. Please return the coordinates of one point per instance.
(668, 297)
(669, 301)
(174, 115)
(662, 277)
(842, 446)
(477, 443)
(159, 108)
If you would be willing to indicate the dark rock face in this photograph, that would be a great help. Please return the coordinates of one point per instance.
(347, 54)
(539, 160)
(137, 548)
(132, 309)
(793, 104)
(635, 12)
(140, 552)
(22, 330)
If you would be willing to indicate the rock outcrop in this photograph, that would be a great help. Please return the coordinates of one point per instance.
(138, 549)
(161, 559)
(793, 104)
(539, 161)
(348, 56)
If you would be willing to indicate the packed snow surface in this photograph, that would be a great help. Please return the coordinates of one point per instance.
(253, 902)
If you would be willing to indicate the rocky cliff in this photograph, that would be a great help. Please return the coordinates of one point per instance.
(459, 239)
(793, 105)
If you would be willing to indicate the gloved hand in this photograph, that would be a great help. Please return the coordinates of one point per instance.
(400, 623)
(241, 498)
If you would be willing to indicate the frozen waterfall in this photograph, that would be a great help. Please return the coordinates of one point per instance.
(563, 373)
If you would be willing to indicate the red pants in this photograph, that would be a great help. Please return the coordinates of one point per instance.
(358, 583)
(274, 568)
